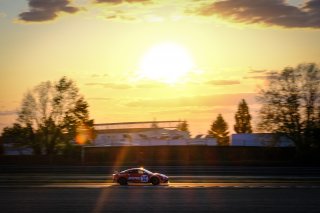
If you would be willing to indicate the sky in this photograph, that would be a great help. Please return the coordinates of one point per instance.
(144, 60)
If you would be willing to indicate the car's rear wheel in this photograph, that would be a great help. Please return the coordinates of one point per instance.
(155, 181)
(122, 181)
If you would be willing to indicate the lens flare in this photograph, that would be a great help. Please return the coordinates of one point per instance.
(84, 134)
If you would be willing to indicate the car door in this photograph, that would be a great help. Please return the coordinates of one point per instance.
(134, 176)
(144, 177)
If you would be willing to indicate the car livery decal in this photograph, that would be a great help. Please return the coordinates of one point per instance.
(144, 178)
(134, 178)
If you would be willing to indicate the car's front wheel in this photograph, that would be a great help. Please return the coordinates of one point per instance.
(122, 181)
(155, 181)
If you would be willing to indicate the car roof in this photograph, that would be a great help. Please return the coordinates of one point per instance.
(127, 170)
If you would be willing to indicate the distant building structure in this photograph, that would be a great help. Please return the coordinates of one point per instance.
(261, 139)
(162, 133)
(147, 133)
(12, 149)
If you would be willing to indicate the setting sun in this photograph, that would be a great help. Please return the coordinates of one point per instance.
(139, 60)
(166, 62)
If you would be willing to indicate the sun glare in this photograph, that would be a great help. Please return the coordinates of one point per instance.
(166, 62)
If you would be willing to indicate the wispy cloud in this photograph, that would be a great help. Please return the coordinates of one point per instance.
(8, 112)
(2, 15)
(46, 10)
(223, 82)
(209, 100)
(142, 10)
(140, 85)
(259, 74)
(99, 75)
(120, 15)
(125, 10)
(266, 12)
(100, 99)
(122, 1)
(150, 85)
(110, 85)
(256, 77)
(195, 110)
(258, 71)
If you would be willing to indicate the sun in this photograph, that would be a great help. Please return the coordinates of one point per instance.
(166, 62)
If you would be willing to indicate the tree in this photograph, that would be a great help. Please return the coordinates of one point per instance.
(21, 137)
(154, 124)
(291, 105)
(51, 117)
(243, 118)
(1, 147)
(219, 130)
(183, 126)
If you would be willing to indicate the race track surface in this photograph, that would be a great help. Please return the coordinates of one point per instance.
(209, 189)
(159, 199)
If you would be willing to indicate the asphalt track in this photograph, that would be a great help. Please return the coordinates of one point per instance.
(214, 189)
(133, 198)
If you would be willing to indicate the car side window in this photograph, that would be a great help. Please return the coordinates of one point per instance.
(141, 172)
(133, 172)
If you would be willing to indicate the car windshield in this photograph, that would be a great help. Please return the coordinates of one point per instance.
(136, 170)
(146, 171)
(125, 171)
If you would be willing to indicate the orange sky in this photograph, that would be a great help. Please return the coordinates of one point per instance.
(222, 51)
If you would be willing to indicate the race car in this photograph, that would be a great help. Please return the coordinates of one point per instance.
(139, 175)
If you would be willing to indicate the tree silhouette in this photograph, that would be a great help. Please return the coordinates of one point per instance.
(52, 115)
(183, 126)
(21, 137)
(243, 118)
(291, 105)
(219, 130)
(154, 125)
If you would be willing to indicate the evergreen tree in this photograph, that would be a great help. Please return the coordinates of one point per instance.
(243, 118)
(219, 130)
(154, 125)
(183, 126)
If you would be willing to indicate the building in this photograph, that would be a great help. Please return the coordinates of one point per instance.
(148, 133)
(261, 139)
(13, 149)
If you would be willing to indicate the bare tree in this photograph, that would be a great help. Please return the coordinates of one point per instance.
(291, 105)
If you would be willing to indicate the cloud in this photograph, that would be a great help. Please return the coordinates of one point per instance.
(124, 10)
(195, 110)
(209, 100)
(100, 99)
(152, 85)
(258, 71)
(120, 16)
(8, 112)
(99, 75)
(267, 12)
(110, 85)
(46, 10)
(259, 74)
(2, 15)
(256, 77)
(122, 1)
(223, 82)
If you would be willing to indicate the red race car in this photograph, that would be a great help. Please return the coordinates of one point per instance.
(139, 175)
